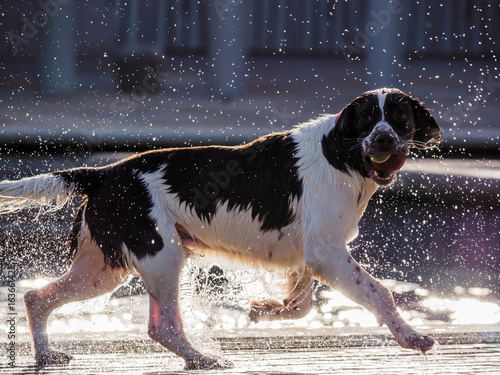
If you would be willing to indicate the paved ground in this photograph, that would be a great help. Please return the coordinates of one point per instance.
(111, 338)
(447, 359)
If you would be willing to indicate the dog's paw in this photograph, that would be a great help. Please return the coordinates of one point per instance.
(51, 357)
(208, 363)
(259, 309)
(417, 342)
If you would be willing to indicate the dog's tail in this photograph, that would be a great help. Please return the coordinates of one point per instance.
(50, 190)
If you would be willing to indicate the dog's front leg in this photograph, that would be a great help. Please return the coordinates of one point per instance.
(334, 266)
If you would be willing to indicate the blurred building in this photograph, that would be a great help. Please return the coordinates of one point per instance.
(228, 31)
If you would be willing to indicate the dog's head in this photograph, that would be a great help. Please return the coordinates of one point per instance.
(374, 133)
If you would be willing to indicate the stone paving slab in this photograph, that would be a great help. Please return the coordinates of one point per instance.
(447, 359)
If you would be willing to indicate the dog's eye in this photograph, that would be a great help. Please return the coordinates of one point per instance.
(399, 116)
(366, 117)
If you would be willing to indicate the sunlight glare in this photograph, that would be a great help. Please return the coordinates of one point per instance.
(466, 310)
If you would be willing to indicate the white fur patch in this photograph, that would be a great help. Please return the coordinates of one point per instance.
(44, 190)
(381, 103)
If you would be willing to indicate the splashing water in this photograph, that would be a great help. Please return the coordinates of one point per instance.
(207, 315)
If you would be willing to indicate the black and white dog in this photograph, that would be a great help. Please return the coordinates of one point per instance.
(291, 199)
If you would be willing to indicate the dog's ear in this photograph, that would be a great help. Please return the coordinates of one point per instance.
(427, 132)
(335, 150)
(330, 144)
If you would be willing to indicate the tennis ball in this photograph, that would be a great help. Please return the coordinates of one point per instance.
(380, 158)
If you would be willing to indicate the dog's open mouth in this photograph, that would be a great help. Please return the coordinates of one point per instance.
(382, 168)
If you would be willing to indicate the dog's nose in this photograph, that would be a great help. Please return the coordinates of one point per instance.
(385, 140)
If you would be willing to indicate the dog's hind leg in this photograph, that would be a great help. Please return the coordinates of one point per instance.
(296, 305)
(160, 274)
(88, 277)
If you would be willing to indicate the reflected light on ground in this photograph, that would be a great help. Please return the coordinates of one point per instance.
(363, 318)
(466, 310)
(35, 283)
(126, 314)
(94, 323)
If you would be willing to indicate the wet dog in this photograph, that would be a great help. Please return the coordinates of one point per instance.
(291, 200)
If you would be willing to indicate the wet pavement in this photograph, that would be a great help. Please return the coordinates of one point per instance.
(459, 359)
(108, 335)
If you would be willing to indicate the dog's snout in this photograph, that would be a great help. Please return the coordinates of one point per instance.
(385, 140)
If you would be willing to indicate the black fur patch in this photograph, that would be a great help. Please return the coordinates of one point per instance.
(116, 212)
(87, 180)
(261, 176)
(72, 241)
(342, 145)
